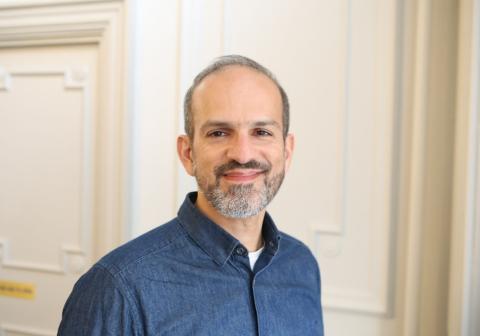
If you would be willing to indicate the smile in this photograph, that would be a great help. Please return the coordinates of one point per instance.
(244, 175)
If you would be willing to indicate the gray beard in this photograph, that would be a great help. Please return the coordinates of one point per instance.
(243, 200)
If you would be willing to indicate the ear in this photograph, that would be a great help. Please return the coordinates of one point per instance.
(289, 147)
(184, 150)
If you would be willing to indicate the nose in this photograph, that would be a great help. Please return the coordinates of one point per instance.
(240, 149)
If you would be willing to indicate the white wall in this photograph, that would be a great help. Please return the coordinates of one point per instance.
(154, 31)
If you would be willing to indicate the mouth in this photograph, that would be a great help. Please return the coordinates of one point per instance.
(242, 175)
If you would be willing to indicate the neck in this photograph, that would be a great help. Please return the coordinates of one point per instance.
(247, 230)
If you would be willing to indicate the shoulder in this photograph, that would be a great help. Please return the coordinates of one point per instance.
(294, 249)
(298, 259)
(98, 303)
(102, 299)
(141, 247)
(289, 243)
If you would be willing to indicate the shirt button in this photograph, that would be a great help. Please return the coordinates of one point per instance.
(241, 251)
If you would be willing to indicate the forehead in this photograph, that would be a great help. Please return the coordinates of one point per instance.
(236, 94)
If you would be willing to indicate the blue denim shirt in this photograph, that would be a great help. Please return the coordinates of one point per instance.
(190, 277)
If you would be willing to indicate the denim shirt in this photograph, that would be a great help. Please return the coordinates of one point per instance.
(190, 277)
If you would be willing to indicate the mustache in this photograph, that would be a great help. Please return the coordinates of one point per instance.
(252, 164)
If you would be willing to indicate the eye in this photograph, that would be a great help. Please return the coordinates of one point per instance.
(216, 134)
(263, 132)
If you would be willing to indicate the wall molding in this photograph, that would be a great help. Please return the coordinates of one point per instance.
(71, 258)
(364, 302)
(7, 329)
(11, 4)
(58, 25)
(418, 42)
(471, 323)
(464, 296)
(5, 80)
(337, 227)
(378, 298)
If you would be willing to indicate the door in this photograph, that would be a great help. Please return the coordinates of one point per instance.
(60, 156)
(47, 109)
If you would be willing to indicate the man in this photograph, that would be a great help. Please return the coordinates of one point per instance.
(221, 267)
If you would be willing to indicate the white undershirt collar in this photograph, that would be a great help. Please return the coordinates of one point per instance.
(253, 256)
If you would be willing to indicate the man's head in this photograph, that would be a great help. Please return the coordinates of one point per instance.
(220, 64)
(237, 144)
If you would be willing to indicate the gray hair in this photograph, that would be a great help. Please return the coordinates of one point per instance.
(219, 64)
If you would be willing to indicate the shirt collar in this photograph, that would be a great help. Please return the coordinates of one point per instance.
(215, 241)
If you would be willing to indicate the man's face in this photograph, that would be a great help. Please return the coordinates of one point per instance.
(238, 154)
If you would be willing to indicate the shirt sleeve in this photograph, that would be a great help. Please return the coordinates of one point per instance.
(97, 307)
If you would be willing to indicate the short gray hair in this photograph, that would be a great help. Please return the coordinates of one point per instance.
(219, 64)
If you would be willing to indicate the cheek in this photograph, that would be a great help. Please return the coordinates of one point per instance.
(203, 166)
(277, 158)
(208, 157)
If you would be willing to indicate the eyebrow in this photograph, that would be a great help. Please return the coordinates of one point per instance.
(225, 124)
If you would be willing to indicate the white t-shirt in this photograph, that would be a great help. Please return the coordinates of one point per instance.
(253, 256)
